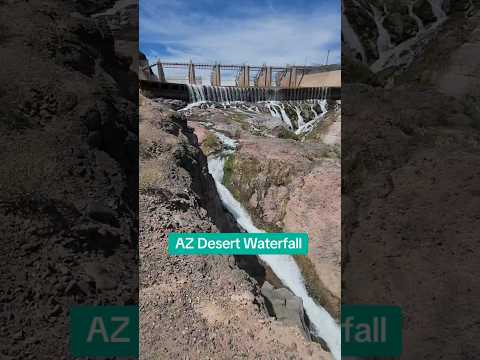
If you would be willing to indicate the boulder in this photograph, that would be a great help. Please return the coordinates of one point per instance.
(286, 307)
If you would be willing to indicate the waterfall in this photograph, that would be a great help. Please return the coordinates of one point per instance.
(300, 120)
(284, 266)
(196, 93)
(199, 93)
(437, 9)
(415, 17)
(277, 110)
(307, 127)
(229, 95)
(285, 117)
(383, 41)
(352, 39)
(191, 94)
(273, 111)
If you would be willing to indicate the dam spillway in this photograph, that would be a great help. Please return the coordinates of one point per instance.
(196, 93)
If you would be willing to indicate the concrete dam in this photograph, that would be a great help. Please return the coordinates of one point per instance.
(268, 83)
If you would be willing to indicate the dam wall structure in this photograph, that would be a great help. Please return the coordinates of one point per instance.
(325, 78)
(197, 93)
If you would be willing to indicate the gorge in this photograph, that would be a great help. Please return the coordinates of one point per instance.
(284, 267)
(222, 128)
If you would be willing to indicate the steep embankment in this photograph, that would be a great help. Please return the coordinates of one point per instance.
(388, 36)
(196, 307)
(286, 185)
(292, 186)
(411, 193)
(68, 179)
(411, 156)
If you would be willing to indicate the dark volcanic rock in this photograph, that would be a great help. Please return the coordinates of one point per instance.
(198, 307)
(286, 307)
(69, 171)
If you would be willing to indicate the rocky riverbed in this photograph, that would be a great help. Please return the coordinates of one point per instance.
(410, 188)
(287, 182)
(69, 194)
(200, 307)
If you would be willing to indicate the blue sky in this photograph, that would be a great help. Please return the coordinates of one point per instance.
(249, 31)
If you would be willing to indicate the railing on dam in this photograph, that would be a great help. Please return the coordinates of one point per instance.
(263, 76)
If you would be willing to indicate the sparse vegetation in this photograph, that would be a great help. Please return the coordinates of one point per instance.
(287, 134)
(211, 144)
(237, 134)
(314, 285)
(228, 170)
(150, 175)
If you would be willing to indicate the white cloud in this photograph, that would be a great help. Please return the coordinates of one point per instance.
(274, 38)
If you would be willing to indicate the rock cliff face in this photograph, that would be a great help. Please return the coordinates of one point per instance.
(174, 168)
(294, 186)
(69, 198)
(409, 202)
(122, 19)
(385, 33)
(408, 177)
(144, 74)
(287, 185)
(196, 307)
(287, 307)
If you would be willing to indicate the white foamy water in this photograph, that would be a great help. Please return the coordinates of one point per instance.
(285, 117)
(300, 120)
(383, 41)
(307, 127)
(405, 52)
(277, 110)
(284, 266)
(437, 8)
(228, 142)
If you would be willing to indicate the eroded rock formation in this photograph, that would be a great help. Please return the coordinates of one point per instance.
(204, 306)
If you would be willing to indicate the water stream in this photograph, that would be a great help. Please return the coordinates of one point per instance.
(405, 52)
(284, 266)
(300, 120)
(229, 94)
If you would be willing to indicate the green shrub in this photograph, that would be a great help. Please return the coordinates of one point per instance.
(287, 134)
(314, 285)
(211, 144)
(228, 170)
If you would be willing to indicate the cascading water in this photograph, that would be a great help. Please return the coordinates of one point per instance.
(352, 39)
(404, 53)
(284, 266)
(272, 110)
(300, 120)
(285, 117)
(437, 9)
(412, 14)
(383, 41)
(307, 127)
(230, 94)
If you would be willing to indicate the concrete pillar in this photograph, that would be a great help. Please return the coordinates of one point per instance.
(216, 79)
(284, 79)
(279, 77)
(292, 78)
(161, 74)
(264, 78)
(191, 74)
(244, 78)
